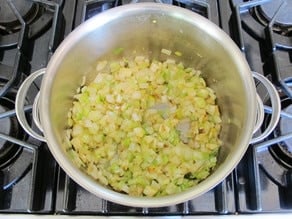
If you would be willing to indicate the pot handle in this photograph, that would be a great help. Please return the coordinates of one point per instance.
(19, 104)
(276, 109)
(21, 94)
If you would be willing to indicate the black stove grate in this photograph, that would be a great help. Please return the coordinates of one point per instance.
(87, 9)
(267, 47)
(72, 199)
(33, 183)
(14, 69)
(28, 178)
(255, 26)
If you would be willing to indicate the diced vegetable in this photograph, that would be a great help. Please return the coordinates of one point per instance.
(166, 52)
(145, 128)
(178, 53)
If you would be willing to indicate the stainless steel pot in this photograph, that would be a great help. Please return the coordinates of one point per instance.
(146, 28)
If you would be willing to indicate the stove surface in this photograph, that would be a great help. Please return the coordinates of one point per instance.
(31, 182)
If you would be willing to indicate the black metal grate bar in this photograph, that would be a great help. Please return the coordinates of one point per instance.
(276, 45)
(256, 186)
(238, 9)
(56, 24)
(274, 42)
(38, 190)
(22, 42)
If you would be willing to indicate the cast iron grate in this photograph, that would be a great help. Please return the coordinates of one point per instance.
(27, 178)
(266, 44)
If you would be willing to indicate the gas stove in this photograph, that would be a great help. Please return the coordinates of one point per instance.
(31, 182)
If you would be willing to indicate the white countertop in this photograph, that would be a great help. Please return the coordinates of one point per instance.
(246, 216)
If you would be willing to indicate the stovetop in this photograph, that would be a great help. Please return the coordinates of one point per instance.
(31, 181)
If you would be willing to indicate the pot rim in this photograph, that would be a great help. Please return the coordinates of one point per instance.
(86, 181)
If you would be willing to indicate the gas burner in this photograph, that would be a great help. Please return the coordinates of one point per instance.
(9, 126)
(283, 21)
(282, 152)
(8, 21)
(283, 18)
(37, 15)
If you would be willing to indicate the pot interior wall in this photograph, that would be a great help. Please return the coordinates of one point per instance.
(146, 33)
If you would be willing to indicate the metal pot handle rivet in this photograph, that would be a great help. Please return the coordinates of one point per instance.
(19, 104)
(276, 107)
